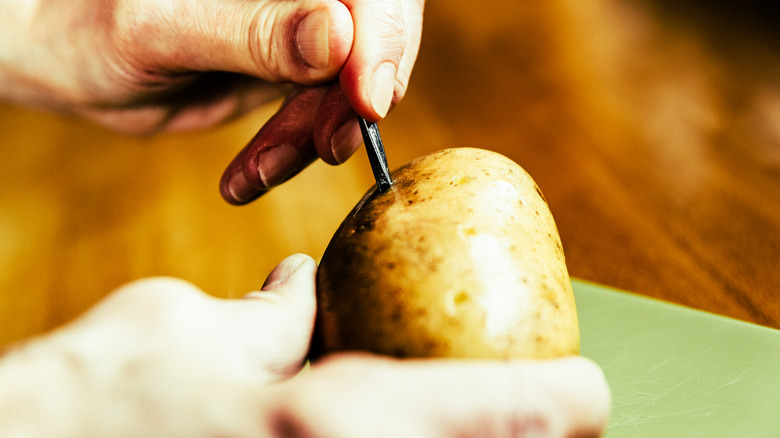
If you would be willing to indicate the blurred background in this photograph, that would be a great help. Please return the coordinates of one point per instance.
(653, 128)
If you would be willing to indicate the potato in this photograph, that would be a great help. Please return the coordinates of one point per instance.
(460, 258)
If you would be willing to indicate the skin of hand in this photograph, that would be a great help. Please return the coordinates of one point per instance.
(158, 357)
(144, 66)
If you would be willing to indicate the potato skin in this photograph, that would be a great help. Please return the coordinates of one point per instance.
(460, 258)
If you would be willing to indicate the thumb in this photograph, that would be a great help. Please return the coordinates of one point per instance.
(291, 274)
(281, 316)
(302, 41)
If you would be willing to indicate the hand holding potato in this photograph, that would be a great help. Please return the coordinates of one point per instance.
(159, 358)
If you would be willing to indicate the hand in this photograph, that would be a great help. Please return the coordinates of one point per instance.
(143, 66)
(160, 358)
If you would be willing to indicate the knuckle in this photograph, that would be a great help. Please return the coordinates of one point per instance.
(135, 33)
(155, 298)
(267, 44)
(392, 30)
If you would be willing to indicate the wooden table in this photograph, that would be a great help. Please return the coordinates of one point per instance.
(654, 133)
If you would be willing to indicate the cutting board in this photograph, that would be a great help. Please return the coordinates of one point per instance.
(679, 372)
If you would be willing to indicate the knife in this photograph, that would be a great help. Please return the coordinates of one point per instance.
(376, 154)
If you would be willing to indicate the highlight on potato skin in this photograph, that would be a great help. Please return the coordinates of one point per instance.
(460, 258)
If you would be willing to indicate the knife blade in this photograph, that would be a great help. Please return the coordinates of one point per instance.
(376, 154)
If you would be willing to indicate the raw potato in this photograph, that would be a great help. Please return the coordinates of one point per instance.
(460, 258)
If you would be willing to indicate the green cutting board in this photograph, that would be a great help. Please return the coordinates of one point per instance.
(679, 372)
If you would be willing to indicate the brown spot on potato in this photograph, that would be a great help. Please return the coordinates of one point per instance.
(461, 297)
(539, 192)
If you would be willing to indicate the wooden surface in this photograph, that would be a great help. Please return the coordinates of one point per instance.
(653, 132)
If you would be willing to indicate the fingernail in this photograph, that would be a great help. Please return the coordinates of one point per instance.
(239, 189)
(382, 88)
(345, 140)
(276, 163)
(313, 38)
(286, 269)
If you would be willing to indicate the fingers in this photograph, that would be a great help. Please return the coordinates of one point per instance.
(209, 99)
(314, 121)
(386, 42)
(322, 120)
(356, 396)
(336, 130)
(291, 281)
(371, 45)
(280, 317)
(282, 148)
(309, 41)
(217, 97)
(301, 41)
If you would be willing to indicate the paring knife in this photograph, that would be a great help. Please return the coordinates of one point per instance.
(376, 154)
